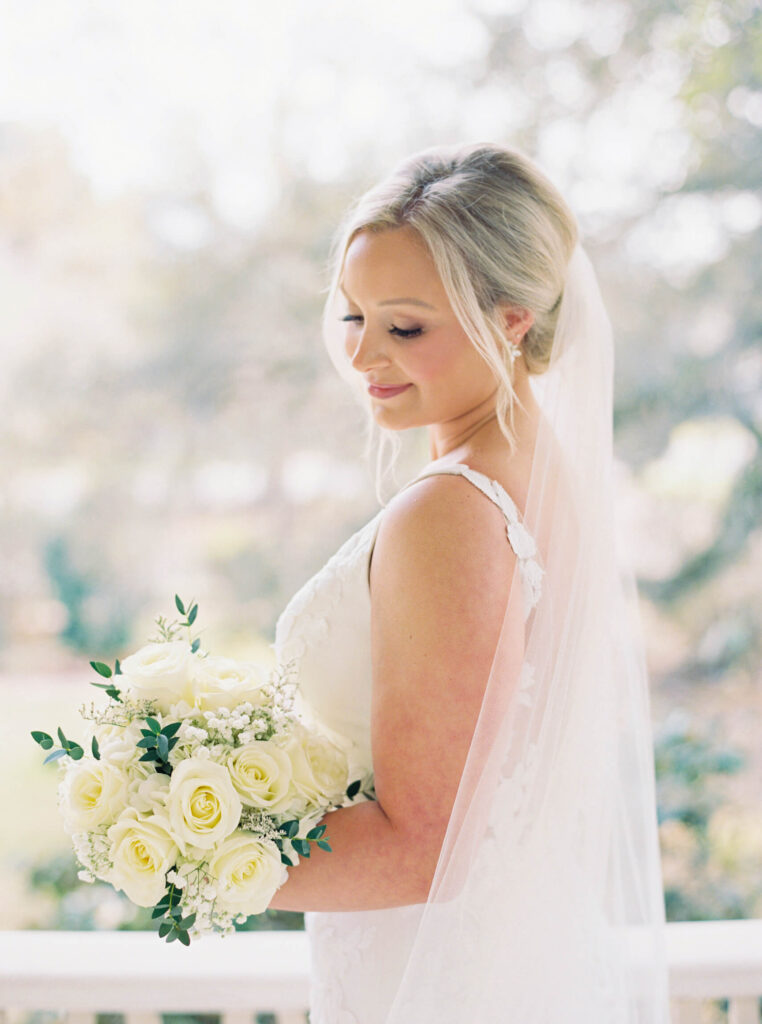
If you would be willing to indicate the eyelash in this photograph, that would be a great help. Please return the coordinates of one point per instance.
(394, 330)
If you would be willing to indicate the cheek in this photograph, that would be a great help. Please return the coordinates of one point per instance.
(436, 355)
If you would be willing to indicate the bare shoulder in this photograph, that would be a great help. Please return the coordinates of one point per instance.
(438, 527)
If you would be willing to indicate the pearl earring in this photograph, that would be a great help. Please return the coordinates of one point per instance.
(514, 351)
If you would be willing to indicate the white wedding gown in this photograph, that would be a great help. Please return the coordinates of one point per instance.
(358, 956)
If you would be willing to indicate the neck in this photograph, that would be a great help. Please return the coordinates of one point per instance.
(479, 428)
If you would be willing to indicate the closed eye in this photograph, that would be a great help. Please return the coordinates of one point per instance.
(413, 333)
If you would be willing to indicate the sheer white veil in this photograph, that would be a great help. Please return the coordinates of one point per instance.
(547, 904)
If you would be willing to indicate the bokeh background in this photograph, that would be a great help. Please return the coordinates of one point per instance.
(171, 173)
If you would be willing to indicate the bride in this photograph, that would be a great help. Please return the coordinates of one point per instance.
(474, 648)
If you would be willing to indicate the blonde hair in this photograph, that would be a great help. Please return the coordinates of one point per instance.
(498, 232)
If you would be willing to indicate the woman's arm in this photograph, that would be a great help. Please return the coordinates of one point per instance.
(440, 576)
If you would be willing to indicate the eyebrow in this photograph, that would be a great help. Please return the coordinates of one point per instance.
(408, 300)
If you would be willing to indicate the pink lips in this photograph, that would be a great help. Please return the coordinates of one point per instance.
(377, 391)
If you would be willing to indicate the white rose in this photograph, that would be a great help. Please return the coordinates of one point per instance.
(226, 683)
(248, 872)
(149, 795)
(93, 793)
(142, 851)
(162, 672)
(261, 773)
(319, 767)
(118, 744)
(202, 805)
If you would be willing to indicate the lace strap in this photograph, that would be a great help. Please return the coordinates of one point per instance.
(520, 539)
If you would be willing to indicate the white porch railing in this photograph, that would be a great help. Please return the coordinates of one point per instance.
(78, 974)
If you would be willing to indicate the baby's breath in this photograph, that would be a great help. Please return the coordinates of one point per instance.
(122, 712)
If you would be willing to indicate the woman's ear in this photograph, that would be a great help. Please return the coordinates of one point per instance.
(517, 320)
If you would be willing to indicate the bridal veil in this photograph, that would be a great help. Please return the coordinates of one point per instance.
(546, 906)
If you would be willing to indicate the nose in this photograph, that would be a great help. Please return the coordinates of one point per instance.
(365, 350)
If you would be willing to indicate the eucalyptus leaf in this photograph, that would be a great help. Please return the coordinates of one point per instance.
(54, 756)
(354, 788)
(170, 730)
(153, 725)
(96, 749)
(184, 938)
(117, 668)
(45, 741)
(324, 845)
(195, 645)
(179, 605)
(192, 614)
(102, 669)
(162, 744)
(165, 928)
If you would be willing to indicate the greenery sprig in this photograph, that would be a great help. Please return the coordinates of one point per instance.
(288, 830)
(74, 750)
(103, 670)
(354, 788)
(174, 926)
(171, 630)
(158, 742)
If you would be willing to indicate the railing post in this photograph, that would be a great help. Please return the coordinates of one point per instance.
(686, 1011)
(744, 1010)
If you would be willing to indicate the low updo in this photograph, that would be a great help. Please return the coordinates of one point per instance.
(498, 232)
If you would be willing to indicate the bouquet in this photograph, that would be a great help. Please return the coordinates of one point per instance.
(201, 785)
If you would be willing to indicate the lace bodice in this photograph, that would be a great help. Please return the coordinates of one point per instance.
(324, 631)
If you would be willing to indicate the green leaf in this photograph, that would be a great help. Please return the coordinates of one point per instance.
(162, 745)
(192, 614)
(54, 756)
(172, 936)
(354, 788)
(290, 828)
(117, 668)
(195, 645)
(150, 755)
(179, 605)
(75, 752)
(153, 725)
(170, 730)
(184, 938)
(102, 669)
(165, 929)
(96, 749)
(45, 741)
(147, 741)
(62, 738)
(301, 846)
(188, 922)
(316, 832)
(324, 845)
(286, 860)
(158, 911)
